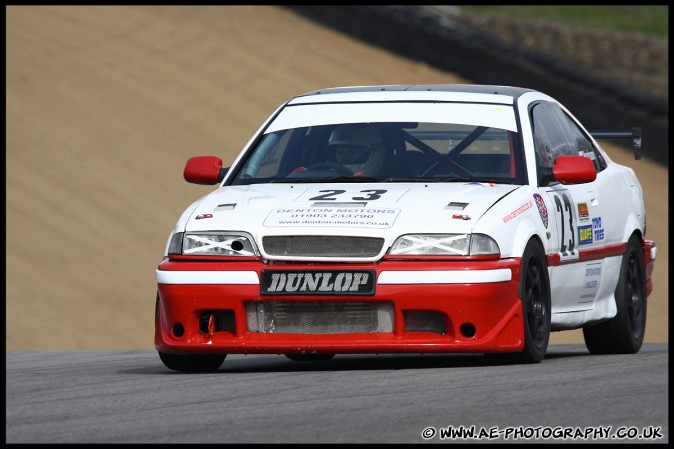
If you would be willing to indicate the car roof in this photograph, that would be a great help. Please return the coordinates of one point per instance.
(414, 92)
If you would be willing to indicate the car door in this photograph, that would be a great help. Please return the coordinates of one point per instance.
(576, 227)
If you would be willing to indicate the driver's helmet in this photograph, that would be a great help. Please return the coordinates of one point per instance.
(359, 147)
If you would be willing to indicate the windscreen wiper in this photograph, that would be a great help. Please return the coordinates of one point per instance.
(341, 178)
(465, 179)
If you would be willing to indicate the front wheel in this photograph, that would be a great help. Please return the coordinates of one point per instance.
(192, 363)
(624, 333)
(535, 296)
(534, 292)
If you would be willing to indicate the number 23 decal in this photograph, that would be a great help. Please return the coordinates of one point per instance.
(331, 194)
(567, 229)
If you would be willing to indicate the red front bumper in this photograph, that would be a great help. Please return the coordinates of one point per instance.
(478, 317)
(649, 250)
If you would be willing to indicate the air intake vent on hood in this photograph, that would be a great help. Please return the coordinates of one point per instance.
(322, 246)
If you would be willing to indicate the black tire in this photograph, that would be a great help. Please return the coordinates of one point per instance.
(535, 297)
(624, 333)
(534, 292)
(192, 363)
(310, 357)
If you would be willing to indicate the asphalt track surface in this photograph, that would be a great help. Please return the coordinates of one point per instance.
(130, 397)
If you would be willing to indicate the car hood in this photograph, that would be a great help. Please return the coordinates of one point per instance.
(381, 210)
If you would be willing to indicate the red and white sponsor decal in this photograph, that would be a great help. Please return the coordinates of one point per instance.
(520, 210)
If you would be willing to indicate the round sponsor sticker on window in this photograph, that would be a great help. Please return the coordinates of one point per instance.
(542, 210)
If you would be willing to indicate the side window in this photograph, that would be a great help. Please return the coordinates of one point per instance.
(584, 145)
(556, 134)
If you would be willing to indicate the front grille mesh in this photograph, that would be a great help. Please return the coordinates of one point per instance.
(322, 246)
(319, 317)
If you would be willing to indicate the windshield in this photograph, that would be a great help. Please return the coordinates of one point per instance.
(383, 152)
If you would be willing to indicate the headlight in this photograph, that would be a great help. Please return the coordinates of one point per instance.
(445, 244)
(483, 245)
(212, 244)
(176, 245)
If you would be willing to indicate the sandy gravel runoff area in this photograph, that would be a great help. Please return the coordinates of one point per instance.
(104, 106)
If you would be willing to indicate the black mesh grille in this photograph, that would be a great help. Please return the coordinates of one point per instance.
(319, 317)
(322, 246)
(424, 321)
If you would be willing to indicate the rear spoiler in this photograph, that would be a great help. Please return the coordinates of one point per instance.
(634, 135)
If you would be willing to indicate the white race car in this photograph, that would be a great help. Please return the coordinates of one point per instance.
(408, 219)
